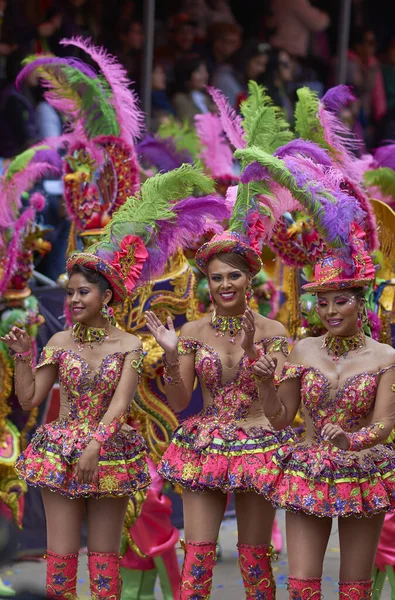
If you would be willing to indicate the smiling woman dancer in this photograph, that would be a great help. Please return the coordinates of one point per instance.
(346, 383)
(88, 459)
(228, 446)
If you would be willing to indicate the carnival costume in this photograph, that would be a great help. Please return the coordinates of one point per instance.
(316, 477)
(224, 447)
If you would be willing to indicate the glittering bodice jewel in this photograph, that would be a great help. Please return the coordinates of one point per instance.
(89, 394)
(231, 399)
(353, 402)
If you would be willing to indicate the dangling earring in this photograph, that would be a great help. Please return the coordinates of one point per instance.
(249, 293)
(108, 313)
(359, 322)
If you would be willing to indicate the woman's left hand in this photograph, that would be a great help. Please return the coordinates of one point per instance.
(336, 436)
(248, 334)
(86, 469)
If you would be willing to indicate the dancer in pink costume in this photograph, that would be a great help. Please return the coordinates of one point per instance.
(87, 460)
(229, 445)
(153, 549)
(342, 468)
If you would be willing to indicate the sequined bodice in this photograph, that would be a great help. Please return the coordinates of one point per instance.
(233, 398)
(351, 404)
(88, 393)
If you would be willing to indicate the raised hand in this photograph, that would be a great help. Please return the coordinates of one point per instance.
(336, 436)
(17, 340)
(248, 333)
(166, 337)
(265, 367)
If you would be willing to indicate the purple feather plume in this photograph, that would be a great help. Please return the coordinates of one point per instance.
(304, 148)
(337, 97)
(53, 61)
(50, 157)
(162, 153)
(254, 172)
(385, 156)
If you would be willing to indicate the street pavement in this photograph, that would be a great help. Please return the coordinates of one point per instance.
(227, 584)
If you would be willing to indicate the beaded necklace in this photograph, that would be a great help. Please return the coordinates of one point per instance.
(223, 325)
(83, 334)
(341, 346)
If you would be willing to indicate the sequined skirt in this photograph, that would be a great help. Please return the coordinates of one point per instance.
(232, 458)
(50, 458)
(321, 480)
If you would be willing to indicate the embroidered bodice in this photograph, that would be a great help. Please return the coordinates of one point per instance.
(352, 404)
(231, 399)
(87, 394)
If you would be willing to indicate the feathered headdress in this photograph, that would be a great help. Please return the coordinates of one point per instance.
(148, 229)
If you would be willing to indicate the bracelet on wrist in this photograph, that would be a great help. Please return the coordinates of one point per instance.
(278, 414)
(172, 380)
(171, 364)
(23, 356)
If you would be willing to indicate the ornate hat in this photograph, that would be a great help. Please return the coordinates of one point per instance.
(122, 266)
(228, 242)
(338, 270)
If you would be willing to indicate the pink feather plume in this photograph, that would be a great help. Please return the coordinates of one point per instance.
(216, 153)
(231, 122)
(124, 100)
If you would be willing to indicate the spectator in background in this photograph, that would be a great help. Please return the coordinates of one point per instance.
(161, 107)
(277, 78)
(181, 43)
(75, 18)
(295, 21)
(17, 111)
(248, 64)
(208, 12)
(388, 70)
(191, 98)
(130, 53)
(224, 39)
(365, 76)
(7, 36)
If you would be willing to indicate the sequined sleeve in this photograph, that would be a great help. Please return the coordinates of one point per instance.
(187, 345)
(49, 356)
(291, 371)
(136, 362)
(275, 344)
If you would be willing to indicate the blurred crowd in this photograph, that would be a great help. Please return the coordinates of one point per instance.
(282, 44)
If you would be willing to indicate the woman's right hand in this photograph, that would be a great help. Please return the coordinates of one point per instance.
(166, 337)
(18, 340)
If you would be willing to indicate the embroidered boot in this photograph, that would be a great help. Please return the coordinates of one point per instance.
(104, 573)
(62, 576)
(197, 570)
(256, 570)
(355, 590)
(304, 589)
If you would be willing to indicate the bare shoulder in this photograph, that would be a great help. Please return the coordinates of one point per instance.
(303, 348)
(268, 328)
(60, 339)
(194, 328)
(385, 352)
(128, 341)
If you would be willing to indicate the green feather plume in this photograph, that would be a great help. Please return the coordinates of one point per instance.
(307, 122)
(280, 173)
(264, 123)
(154, 202)
(22, 160)
(383, 179)
(183, 135)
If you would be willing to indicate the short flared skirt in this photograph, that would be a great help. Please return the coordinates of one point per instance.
(241, 464)
(320, 480)
(50, 459)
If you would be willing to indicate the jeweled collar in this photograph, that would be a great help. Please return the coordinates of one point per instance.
(227, 325)
(338, 346)
(84, 335)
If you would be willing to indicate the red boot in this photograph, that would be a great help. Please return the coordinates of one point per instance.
(197, 570)
(304, 589)
(104, 573)
(355, 590)
(62, 576)
(256, 569)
